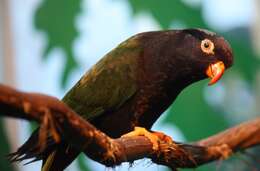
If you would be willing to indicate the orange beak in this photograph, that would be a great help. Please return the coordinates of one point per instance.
(215, 72)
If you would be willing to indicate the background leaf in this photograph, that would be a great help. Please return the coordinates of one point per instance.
(195, 118)
(56, 18)
(246, 60)
(4, 149)
(167, 11)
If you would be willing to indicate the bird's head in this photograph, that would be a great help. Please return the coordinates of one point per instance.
(204, 53)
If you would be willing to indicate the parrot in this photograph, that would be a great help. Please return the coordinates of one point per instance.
(128, 89)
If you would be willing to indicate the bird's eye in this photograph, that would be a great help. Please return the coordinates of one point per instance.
(207, 46)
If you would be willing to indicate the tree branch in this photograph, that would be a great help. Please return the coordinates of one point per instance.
(62, 123)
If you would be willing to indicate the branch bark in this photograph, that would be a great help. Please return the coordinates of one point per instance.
(63, 123)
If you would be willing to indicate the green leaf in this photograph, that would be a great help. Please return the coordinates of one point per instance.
(56, 18)
(167, 11)
(82, 163)
(4, 149)
(194, 116)
(246, 60)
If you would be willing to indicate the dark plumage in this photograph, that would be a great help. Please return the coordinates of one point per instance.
(137, 81)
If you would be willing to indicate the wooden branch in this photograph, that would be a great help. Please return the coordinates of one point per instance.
(63, 123)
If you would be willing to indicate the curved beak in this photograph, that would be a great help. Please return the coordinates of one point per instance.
(215, 71)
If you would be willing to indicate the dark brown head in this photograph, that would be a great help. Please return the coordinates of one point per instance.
(186, 56)
(208, 53)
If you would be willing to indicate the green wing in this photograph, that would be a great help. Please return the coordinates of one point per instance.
(108, 84)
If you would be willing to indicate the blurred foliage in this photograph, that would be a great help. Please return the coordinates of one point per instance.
(82, 163)
(56, 18)
(168, 11)
(4, 149)
(246, 60)
(193, 116)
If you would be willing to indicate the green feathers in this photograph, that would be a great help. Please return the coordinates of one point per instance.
(108, 84)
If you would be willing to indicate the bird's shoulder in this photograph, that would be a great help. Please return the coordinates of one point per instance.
(108, 84)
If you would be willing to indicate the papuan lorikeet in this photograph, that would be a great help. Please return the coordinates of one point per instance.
(131, 86)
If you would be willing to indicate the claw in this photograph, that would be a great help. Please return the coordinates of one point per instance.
(163, 137)
(154, 137)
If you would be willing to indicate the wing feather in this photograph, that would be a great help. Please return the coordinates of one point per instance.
(108, 84)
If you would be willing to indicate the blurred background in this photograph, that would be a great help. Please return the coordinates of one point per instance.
(46, 45)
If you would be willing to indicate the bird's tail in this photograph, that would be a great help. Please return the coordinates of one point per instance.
(49, 162)
(55, 157)
(59, 159)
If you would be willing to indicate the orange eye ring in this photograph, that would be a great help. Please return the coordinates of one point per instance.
(207, 46)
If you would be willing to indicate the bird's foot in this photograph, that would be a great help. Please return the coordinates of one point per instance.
(224, 150)
(154, 137)
(163, 137)
(139, 131)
